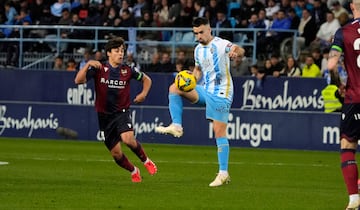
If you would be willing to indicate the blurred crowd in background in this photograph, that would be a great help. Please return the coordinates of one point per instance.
(315, 20)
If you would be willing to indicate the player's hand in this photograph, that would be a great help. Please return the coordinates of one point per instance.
(139, 98)
(94, 63)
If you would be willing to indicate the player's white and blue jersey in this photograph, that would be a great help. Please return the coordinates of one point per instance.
(214, 63)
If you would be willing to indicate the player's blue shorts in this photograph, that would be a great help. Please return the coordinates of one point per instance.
(217, 108)
(350, 122)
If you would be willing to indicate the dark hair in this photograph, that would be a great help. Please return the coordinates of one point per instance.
(114, 43)
(200, 21)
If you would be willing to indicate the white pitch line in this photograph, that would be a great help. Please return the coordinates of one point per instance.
(189, 162)
(3, 163)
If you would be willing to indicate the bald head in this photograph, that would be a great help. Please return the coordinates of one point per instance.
(355, 8)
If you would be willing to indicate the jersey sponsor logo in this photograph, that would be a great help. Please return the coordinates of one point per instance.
(113, 83)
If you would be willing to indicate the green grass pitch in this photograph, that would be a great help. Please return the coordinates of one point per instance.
(62, 174)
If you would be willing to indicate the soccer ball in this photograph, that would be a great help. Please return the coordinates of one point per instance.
(185, 81)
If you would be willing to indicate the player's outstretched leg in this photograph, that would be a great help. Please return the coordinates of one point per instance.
(223, 176)
(176, 110)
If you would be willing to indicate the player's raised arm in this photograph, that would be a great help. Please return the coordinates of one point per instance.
(81, 75)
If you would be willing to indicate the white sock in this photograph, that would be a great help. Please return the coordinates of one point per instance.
(226, 173)
(134, 171)
(354, 198)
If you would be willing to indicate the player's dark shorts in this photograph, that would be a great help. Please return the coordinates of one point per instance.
(350, 122)
(113, 125)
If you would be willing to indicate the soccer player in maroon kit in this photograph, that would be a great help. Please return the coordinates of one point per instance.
(347, 43)
(112, 87)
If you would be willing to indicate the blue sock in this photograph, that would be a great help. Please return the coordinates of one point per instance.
(223, 153)
(175, 108)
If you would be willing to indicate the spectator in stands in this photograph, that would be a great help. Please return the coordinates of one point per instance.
(45, 19)
(131, 61)
(273, 37)
(59, 63)
(156, 6)
(267, 67)
(317, 56)
(164, 13)
(82, 9)
(179, 15)
(339, 10)
(285, 5)
(179, 66)
(147, 22)
(271, 9)
(247, 8)
(239, 66)
(276, 65)
(222, 22)
(291, 68)
(71, 64)
(307, 29)
(127, 21)
(111, 17)
(255, 22)
(212, 8)
(166, 64)
(125, 5)
(301, 5)
(181, 56)
(138, 8)
(327, 31)
(99, 56)
(155, 65)
(86, 57)
(259, 74)
(65, 20)
(262, 18)
(10, 13)
(295, 20)
(319, 12)
(104, 10)
(310, 70)
(36, 9)
(199, 8)
(57, 8)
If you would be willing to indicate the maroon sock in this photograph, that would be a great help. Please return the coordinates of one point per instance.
(125, 163)
(139, 151)
(349, 170)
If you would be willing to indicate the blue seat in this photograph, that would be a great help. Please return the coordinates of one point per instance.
(231, 6)
(232, 21)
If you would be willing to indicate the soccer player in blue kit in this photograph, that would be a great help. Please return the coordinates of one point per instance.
(212, 65)
(347, 43)
(112, 87)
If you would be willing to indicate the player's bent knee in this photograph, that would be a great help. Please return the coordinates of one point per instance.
(346, 144)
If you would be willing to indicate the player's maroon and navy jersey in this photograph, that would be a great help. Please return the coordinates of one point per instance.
(347, 41)
(112, 87)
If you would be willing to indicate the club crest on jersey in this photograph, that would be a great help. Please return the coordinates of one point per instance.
(106, 69)
(123, 71)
